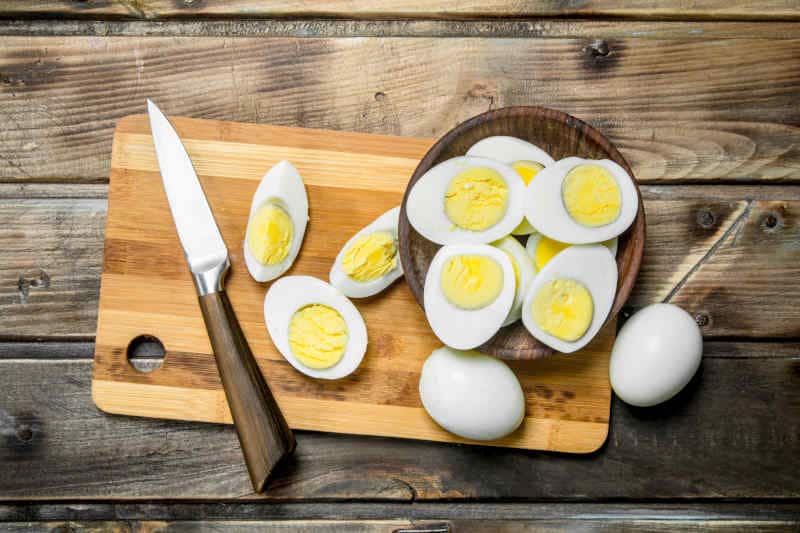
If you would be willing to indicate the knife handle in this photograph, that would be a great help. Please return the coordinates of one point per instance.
(263, 432)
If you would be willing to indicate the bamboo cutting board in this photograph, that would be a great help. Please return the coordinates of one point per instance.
(351, 178)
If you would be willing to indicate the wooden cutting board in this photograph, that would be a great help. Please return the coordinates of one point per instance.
(351, 178)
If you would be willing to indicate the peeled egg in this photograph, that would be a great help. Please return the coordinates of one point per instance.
(526, 158)
(570, 298)
(368, 262)
(523, 273)
(470, 394)
(315, 327)
(542, 249)
(277, 223)
(655, 355)
(580, 201)
(471, 200)
(469, 291)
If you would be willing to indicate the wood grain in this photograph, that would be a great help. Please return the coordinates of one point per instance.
(63, 95)
(57, 444)
(156, 9)
(146, 290)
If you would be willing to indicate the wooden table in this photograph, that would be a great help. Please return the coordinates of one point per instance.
(703, 98)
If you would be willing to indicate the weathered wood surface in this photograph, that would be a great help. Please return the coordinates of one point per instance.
(733, 433)
(680, 110)
(154, 9)
(715, 250)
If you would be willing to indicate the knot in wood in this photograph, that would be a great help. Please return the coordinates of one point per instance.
(598, 48)
(702, 319)
(705, 219)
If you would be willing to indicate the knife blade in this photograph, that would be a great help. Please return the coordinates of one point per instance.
(263, 433)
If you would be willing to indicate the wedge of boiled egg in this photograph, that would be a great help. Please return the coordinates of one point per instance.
(580, 201)
(315, 327)
(570, 298)
(466, 200)
(469, 291)
(525, 158)
(277, 223)
(542, 249)
(368, 262)
(523, 274)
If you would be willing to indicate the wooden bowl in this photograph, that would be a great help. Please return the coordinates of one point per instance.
(561, 135)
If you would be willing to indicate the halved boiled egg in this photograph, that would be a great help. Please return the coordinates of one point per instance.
(277, 223)
(466, 200)
(526, 158)
(542, 249)
(580, 201)
(469, 291)
(368, 262)
(569, 301)
(523, 273)
(315, 327)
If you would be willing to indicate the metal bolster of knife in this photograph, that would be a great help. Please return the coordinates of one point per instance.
(211, 280)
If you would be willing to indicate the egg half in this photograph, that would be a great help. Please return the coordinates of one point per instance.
(277, 223)
(525, 158)
(315, 327)
(570, 298)
(523, 273)
(369, 262)
(542, 249)
(580, 201)
(469, 291)
(471, 200)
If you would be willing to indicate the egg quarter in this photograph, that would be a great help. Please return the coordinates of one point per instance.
(465, 328)
(354, 288)
(291, 294)
(524, 272)
(591, 267)
(465, 192)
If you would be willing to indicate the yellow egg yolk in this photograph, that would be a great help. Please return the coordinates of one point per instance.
(547, 248)
(269, 236)
(370, 256)
(527, 169)
(318, 336)
(476, 198)
(563, 308)
(471, 281)
(591, 195)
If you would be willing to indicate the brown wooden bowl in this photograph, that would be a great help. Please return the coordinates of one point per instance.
(561, 135)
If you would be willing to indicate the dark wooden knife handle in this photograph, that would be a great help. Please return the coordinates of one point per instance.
(263, 432)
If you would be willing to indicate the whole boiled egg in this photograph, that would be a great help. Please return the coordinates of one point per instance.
(277, 223)
(524, 157)
(368, 262)
(523, 273)
(580, 201)
(469, 291)
(570, 298)
(471, 200)
(542, 249)
(471, 395)
(655, 355)
(315, 327)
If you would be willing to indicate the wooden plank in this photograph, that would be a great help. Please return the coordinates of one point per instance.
(155, 9)
(56, 444)
(63, 95)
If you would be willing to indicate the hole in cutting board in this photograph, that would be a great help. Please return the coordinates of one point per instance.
(145, 353)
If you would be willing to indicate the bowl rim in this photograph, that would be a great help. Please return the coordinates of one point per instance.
(631, 263)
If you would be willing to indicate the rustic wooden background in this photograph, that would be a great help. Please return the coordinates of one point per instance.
(702, 97)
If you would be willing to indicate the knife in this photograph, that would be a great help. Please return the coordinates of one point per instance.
(263, 433)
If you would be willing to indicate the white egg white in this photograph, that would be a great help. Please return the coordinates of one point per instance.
(290, 294)
(459, 328)
(592, 265)
(283, 186)
(470, 394)
(535, 237)
(509, 149)
(355, 289)
(527, 272)
(545, 210)
(425, 203)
